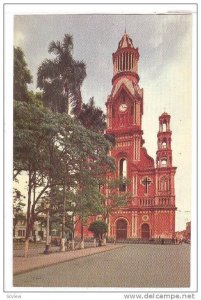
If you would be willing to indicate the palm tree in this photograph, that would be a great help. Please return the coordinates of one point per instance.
(61, 78)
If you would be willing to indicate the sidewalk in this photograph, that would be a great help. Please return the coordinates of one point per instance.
(22, 264)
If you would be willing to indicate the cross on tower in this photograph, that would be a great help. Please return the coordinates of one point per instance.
(146, 182)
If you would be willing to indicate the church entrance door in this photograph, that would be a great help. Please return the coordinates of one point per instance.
(145, 231)
(121, 229)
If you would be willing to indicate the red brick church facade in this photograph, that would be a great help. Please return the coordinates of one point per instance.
(150, 212)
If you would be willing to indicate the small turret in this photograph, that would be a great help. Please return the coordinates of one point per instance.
(164, 152)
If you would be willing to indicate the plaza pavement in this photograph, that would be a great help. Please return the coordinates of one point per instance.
(132, 266)
(26, 264)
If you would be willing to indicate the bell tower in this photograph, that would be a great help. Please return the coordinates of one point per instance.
(125, 103)
(125, 59)
(164, 168)
(164, 152)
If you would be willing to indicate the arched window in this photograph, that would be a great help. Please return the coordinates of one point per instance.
(126, 62)
(164, 126)
(99, 218)
(124, 59)
(164, 162)
(164, 144)
(122, 174)
(164, 183)
(129, 61)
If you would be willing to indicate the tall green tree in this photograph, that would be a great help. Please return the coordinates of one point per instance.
(64, 162)
(22, 76)
(92, 117)
(84, 162)
(18, 208)
(92, 170)
(34, 131)
(61, 78)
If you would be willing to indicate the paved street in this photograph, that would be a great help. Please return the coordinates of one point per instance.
(134, 265)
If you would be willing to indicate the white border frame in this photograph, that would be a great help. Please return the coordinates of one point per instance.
(12, 9)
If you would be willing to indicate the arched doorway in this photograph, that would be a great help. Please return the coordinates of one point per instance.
(145, 231)
(121, 229)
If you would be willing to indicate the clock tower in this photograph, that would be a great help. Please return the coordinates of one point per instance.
(125, 103)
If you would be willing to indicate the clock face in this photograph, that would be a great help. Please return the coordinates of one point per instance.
(123, 107)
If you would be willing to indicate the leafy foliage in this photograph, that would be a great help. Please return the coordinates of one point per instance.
(66, 159)
(98, 228)
(92, 117)
(18, 205)
(61, 78)
(22, 76)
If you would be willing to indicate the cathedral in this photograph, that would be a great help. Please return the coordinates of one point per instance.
(150, 211)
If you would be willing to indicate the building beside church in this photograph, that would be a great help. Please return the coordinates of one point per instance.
(150, 211)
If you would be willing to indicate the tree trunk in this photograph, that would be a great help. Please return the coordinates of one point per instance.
(73, 234)
(73, 244)
(104, 241)
(26, 247)
(82, 244)
(64, 215)
(82, 230)
(67, 102)
(82, 235)
(106, 219)
(14, 226)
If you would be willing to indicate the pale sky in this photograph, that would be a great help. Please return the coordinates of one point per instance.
(165, 48)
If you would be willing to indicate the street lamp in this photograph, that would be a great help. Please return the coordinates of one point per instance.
(47, 246)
